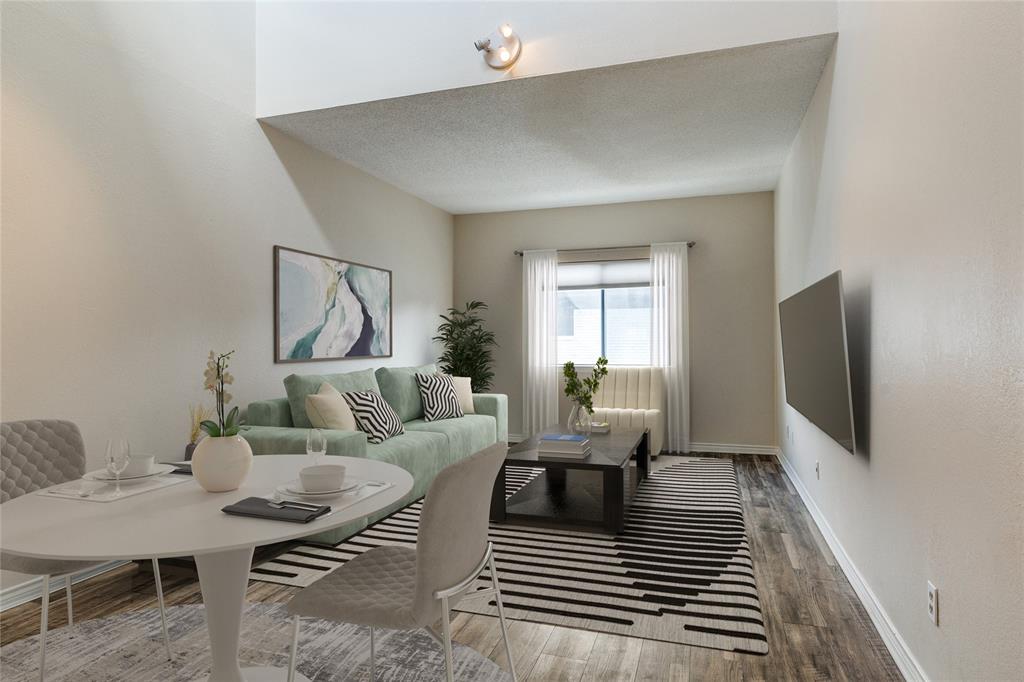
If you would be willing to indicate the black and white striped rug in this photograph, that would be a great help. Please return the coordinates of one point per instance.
(681, 570)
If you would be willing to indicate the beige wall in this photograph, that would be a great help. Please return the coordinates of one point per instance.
(141, 204)
(906, 174)
(730, 294)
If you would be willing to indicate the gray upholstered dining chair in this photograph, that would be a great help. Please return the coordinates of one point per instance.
(36, 454)
(403, 588)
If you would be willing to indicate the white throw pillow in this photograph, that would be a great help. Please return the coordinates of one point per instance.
(464, 390)
(327, 409)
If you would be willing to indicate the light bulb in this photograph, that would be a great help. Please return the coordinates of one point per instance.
(506, 30)
(503, 54)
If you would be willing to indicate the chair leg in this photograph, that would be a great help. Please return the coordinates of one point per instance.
(163, 610)
(446, 629)
(293, 659)
(67, 592)
(501, 616)
(373, 656)
(43, 625)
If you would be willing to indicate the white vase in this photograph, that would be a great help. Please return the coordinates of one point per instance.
(221, 464)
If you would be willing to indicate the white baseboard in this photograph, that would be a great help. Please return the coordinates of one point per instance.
(32, 589)
(894, 642)
(732, 448)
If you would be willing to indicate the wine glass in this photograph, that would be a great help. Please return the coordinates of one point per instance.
(316, 445)
(119, 453)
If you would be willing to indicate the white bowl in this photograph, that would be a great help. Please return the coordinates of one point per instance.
(138, 465)
(322, 478)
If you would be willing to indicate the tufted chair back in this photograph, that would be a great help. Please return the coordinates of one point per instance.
(37, 453)
(632, 388)
(633, 398)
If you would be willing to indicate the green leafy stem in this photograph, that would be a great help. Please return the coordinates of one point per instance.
(581, 391)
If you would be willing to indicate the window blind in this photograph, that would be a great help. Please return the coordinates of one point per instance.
(604, 275)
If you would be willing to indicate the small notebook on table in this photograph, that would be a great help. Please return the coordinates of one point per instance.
(260, 508)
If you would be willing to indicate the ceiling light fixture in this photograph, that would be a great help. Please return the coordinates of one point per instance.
(501, 49)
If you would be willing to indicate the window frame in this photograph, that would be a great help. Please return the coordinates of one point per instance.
(604, 329)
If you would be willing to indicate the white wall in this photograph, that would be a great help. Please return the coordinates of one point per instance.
(732, 375)
(906, 174)
(141, 204)
(313, 55)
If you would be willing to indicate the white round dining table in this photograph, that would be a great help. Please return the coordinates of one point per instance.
(185, 520)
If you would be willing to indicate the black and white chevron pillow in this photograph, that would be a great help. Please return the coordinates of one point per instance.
(374, 416)
(440, 401)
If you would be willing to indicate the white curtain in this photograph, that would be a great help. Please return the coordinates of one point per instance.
(540, 305)
(670, 338)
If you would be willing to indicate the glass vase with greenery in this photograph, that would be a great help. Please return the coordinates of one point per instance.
(581, 393)
(468, 345)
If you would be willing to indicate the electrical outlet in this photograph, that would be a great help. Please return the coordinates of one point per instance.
(933, 603)
(817, 470)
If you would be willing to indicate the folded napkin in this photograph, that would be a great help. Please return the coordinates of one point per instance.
(260, 507)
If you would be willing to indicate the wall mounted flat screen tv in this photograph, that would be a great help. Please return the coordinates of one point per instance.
(815, 361)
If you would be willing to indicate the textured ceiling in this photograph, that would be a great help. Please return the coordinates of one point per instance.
(710, 123)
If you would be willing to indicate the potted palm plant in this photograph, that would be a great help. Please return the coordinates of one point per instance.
(468, 345)
(221, 460)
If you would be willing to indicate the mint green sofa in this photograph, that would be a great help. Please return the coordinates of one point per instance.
(280, 426)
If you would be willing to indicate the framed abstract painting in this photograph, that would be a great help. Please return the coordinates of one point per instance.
(329, 309)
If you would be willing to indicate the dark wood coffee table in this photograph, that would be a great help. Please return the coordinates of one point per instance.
(590, 492)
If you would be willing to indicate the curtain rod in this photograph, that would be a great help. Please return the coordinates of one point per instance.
(689, 244)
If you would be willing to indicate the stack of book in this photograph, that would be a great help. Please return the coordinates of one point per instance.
(563, 446)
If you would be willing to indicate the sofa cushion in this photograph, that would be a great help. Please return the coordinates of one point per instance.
(437, 392)
(298, 386)
(279, 440)
(374, 416)
(327, 409)
(398, 386)
(464, 390)
(465, 435)
(421, 454)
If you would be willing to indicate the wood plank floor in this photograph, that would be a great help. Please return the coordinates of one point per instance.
(817, 628)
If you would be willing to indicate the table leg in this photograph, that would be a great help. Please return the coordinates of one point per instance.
(643, 456)
(556, 479)
(224, 577)
(614, 503)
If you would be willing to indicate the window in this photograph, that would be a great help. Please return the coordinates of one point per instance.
(607, 317)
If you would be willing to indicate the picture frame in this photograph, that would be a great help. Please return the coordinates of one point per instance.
(328, 308)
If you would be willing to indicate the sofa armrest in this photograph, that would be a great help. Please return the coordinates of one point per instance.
(496, 405)
(276, 412)
(279, 440)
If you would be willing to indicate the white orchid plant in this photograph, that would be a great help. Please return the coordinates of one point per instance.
(215, 378)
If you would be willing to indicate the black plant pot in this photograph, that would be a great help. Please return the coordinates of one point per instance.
(189, 449)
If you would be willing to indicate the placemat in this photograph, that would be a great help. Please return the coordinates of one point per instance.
(104, 492)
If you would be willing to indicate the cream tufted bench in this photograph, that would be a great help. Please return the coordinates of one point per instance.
(633, 397)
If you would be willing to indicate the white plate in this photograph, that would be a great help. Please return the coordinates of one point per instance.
(106, 476)
(295, 488)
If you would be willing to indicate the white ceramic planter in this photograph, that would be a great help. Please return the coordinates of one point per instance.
(221, 464)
